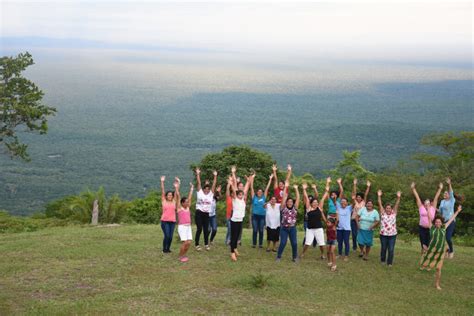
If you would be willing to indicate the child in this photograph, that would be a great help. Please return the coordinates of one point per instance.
(437, 247)
(184, 225)
(331, 241)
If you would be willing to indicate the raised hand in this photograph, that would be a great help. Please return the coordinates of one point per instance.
(459, 208)
(313, 186)
(368, 183)
(177, 180)
(440, 186)
(412, 186)
(233, 169)
(163, 178)
(191, 185)
(176, 185)
(399, 194)
(198, 171)
(448, 180)
(327, 188)
(295, 186)
(274, 168)
(339, 180)
(218, 189)
(214, 173)
(379, 192)
(328, 180)
(355, 181)
(288, 167)
(304, 186)
(287, 184)
(271, 176)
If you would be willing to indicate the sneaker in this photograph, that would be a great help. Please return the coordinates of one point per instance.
(451, 255)
(389, 266)
(198, 248)
(296, 260)
(278, 259)
(207, 247)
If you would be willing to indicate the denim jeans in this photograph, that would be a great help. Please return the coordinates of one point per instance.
(343, 236)
(286, 232)
(387, 243)
(168, 230)
(354, 230)
(449, 236)
(258, 225)
(213, 226)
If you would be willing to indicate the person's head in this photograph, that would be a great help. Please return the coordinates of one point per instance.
(240, 194)
(369, 205)
(446, 195)
(289, 203)
(359, 197)
(240, 186)
(206, 189)
(169, 196)
(330, 222)
(273, 201)
(259, 193)
(281, 185)
(334, 194)
(344, 202)
(438, 221)
(388, 208)
(185, 202)
(314, 203)
(427, 204)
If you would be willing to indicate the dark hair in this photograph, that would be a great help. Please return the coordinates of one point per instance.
(239, 191)
(183, 199)
(336, 192)
(437, 217)
(281, 182)
(168, 192)
(289, 198)
(332, 220)
(369, 200)
(312, 199)
(361, 195)
(206, 186)
(344, 198)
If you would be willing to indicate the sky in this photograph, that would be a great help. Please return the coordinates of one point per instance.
(345, 30)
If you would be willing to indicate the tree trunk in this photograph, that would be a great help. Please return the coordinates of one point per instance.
(95, 213)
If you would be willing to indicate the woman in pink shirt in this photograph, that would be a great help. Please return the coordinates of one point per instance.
(424, 208)
(169, 203)
(184, 224)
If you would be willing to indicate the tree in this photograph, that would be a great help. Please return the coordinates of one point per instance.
(21, 107)
(350, 167)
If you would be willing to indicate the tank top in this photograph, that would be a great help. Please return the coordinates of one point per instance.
(315, 219)
(184, 217)
(238, 210)
(169, 212)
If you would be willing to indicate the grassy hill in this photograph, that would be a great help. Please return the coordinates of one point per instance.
(121, 270)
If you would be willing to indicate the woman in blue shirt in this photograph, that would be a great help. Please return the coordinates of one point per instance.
(446, 208)
(258, 213)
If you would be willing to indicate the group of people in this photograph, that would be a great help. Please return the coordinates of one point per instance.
(278, 215)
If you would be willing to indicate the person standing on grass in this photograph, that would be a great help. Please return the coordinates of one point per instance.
(305, 223)
(434, 256)
(388, 228)
(368, 218)
(359, 201)
(289, 214)
(446, 209)
(205, 196)
(424, 209)
(343, 211)
(184, 224)
(259, 200)
(331, 241)
(272, 221)
(239, 199)
(213, 215)
(334, 199)
(279, 186)
(169, 203)
(316, 218)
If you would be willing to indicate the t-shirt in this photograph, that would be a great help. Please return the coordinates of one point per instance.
(288, 217)
(446, 207)
(258, 205)
(344, 217)
(204, 201)
(332, 209)
(331, 233)
(315, 219)
(169, 212)
(424, 220)
(367, 219)
(272, 216)
(228, 204)
(388, 224)
(238, 212)
(357, 207)
(278, 193)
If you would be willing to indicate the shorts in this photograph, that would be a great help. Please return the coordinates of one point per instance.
(331, 242)
(314, 233)
(185, 232)
(424, 236)
(365, 237)
(273, 234)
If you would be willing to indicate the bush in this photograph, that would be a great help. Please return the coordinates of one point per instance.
(144, 211)
(17, 224)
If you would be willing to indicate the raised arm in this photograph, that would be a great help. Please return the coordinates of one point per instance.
(268, 186)
(397, 203)
(177, 195)
(430, 219)
(233, 170)
(305, 196)
(285, 194)
(366, 194)
(275, 176)
(288, 173)
(379, 199)
(454, 216)
(323, 199)
(190, 194)
(448, 181)
(341, 189)
(252, 190)
(436, 198)
(315, 189)
(354, 189)
(228, 186)
(247, 185)
(214, 181)
(198, 179)
(415, 193)
(217, 196)
(297, 201)
(162, 181)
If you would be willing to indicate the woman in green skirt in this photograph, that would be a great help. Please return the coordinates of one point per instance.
(437, 248)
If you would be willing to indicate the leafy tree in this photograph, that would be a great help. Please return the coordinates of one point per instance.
(21, 108)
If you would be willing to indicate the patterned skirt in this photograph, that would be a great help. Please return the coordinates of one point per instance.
(436, 250)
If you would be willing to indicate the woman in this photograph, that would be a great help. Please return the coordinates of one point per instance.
(272, 221)
(446, 208)
(305, 223)
(169, 203)
(436, 250)
(258, 213)
(367, 218)
(288, 222)
(184, 224)
(316, 218)
(359, 202)
(388, 228)
(424, 209)
(205, 196)
(334, 199)
(213, 215)
(279, 186)
(239, 199)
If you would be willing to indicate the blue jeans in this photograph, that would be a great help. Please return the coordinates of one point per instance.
(354, 230)
(387, 244)
(258, 225)
(168, 230)
(213, 226)
(449, 236)
(343, 236)
(227, 235)
(284, 233)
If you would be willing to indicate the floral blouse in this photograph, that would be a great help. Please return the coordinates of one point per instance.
(288, 217)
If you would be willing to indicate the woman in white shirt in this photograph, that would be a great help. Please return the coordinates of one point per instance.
(272, 221)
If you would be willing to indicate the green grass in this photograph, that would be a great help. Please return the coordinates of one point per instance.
(121, 270)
